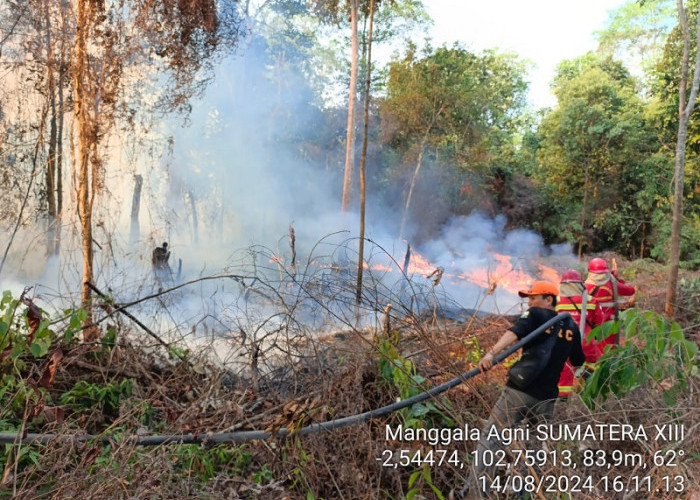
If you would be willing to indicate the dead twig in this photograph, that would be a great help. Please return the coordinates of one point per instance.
(131, 317)
(103, 369)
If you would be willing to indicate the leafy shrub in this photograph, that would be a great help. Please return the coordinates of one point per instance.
(688, 309)
(690, 235)
(15, 396)
(655, 351)
(400, 373)
(15, 329)
(207, 462)
(105, 398)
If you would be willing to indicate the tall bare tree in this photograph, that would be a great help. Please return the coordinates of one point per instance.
(115, 44)
(35, 62)
(56, 17)
(363, 158)
(86, 87)
(686, 106)
(350, 135)
(396, 14)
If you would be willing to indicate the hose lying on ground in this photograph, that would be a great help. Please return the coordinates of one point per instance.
(243, 436)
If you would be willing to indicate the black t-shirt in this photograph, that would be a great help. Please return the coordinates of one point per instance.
(568, 345)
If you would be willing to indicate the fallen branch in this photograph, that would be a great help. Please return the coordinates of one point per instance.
(103, 369)
(131, 317)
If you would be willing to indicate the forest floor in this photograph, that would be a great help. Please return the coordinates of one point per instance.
(97, 404)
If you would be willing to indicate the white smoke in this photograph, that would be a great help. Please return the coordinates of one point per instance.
(224, 194)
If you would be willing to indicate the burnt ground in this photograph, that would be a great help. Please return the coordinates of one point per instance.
(125, 391)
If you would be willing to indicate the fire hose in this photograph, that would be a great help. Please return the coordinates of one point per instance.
(244, 436)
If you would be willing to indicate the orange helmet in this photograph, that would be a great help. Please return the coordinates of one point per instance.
(571, 276)
(598, 265)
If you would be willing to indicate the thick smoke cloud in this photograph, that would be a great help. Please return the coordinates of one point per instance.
(240, 172)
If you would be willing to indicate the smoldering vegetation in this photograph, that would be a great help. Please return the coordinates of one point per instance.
(285, 374)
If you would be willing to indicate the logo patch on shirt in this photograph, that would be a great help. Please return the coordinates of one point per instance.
(525, 314)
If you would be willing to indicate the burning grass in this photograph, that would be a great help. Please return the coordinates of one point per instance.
(288, 376)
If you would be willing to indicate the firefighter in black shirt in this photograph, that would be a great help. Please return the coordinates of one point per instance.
(536, 400)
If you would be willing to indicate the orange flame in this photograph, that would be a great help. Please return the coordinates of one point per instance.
(504, 274)
(548, 273)
(417, 265)
(420, 264)
(377, 267)
(499, 272)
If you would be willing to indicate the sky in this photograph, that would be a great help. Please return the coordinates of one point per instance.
(544, 32)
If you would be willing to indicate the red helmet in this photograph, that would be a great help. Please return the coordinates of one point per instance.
(571, 276)
(598, 265)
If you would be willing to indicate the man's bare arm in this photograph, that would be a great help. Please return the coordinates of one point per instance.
(507, 339)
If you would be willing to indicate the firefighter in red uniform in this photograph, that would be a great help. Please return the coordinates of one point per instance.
(606, 289)
(574, 299)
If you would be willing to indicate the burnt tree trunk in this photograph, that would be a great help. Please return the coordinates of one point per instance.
(55, 65)
(195, 220)
(135, 231)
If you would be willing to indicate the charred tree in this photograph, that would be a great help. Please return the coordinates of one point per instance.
(174, 37)
(195, 219)
(135, 232)
(56, 64)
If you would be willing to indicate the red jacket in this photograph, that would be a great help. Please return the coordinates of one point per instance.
(574, 306)
(594, 315)
(604, 296)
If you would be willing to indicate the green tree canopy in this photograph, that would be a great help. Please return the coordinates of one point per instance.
(663, 106)
(462, 102)
(595, 154)
(450, 107)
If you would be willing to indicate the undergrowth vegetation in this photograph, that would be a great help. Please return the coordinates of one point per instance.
(76, 417)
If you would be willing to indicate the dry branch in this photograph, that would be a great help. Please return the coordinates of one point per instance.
(122, 310)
